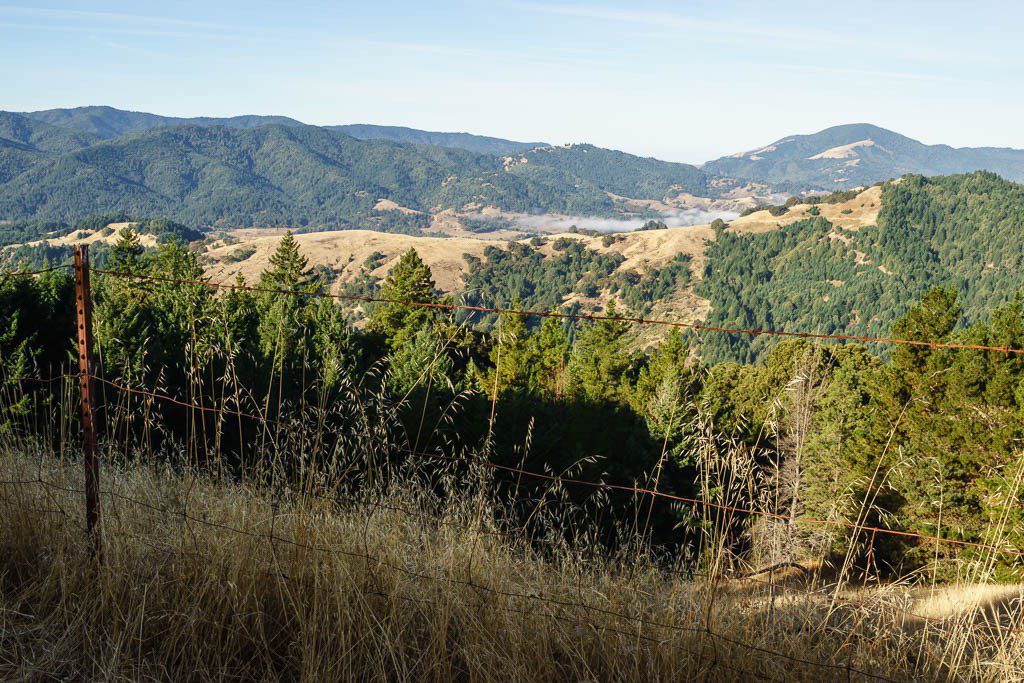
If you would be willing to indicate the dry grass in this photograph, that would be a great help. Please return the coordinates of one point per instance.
(345, 251)
(108, 236)
(863, 211)
(213, 581)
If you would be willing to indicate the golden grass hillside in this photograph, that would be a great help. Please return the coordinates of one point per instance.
(345, 251)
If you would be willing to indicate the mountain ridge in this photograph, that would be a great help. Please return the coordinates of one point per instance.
(859, 154)
(298, 175)
(107, 122)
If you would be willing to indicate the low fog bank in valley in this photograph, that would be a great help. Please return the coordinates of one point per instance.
(673, 219)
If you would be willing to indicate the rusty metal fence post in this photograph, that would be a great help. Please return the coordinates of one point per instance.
(83, 303)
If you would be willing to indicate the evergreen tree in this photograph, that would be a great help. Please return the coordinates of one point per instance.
(666, 388)
(282, 326)
(552, 356)
(421, 362)
(599, 366)
(409, 280)
(288, 267)
(127, 254)
(514, 358)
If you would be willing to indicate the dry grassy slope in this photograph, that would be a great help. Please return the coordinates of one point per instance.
(93, 237)
(863, 212)
(345, 251)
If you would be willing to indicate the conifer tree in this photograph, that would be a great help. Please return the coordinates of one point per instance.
(665, 388)
(288, 267)
(599, 366)
(514, 357)
(552, 356)
(282, 330)
(127, 253)
(409, 280)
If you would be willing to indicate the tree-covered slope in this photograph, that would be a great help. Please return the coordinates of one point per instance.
(616, 172)
(308, 175)
(859, 154)
(960, 231)
(481, 144)
(271, 175)
(107, 122)
(23, 141)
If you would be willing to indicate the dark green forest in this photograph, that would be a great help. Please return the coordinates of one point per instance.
(809, 426)
(960, 232)
(242, 173)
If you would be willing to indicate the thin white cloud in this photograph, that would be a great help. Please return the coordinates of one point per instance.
(668, 24)
(662, 20)
(107, 17)
(877, 73)
(571, 57)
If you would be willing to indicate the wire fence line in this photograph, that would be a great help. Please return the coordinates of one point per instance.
(570, 316)
(519, 536)
(698, 327)
(639, 491)
(818, 594)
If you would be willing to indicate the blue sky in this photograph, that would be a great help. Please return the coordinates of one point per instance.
(686, 81)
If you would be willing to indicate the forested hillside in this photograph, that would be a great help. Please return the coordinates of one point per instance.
(957, 231)
(481, 144)
(295, 175)
(616, 172)
(107, 122)
(804, 427)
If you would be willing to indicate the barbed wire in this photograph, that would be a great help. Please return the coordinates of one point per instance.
(27, 273)
(621, 488)
(433, 520)
(559, 479)
(699, 327)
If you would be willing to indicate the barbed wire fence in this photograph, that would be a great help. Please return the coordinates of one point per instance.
(643, 628)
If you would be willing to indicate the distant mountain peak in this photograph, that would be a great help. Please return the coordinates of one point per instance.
(858, 154)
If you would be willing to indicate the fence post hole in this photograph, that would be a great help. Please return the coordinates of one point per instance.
(83, 304)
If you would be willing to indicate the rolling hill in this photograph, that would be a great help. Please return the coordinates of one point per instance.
(481, 144)
(297, 175)
(858, 155)
(851, 263)
(107, 123)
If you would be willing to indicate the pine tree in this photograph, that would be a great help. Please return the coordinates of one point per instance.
(599, 366)
(127, 253)
(514, 357)
(420, 361)
(409, 280)
(552, 356)
(283, 333)
(666, 387)
(287, 266)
